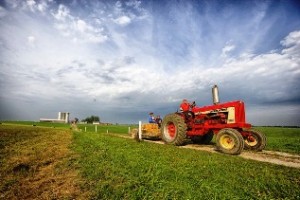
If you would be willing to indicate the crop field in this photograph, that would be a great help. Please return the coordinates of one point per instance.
(57, 163)
(282, 139)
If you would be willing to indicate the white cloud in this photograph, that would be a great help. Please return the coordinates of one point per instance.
(134, 3)
(292, 39)
(259, 74)
(123, 20)
(42, 7)
(31, 39)
(123, 16)
(227, 49)
(81, 25)
(77, 29)
(62, 13)
(33, 5)
(88, 33)
(292, 46)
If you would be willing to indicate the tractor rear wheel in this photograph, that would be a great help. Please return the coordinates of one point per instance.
(173, 129)
(256, 141)
(230, 141)
(205, 139)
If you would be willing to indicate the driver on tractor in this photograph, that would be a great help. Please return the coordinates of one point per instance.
(185, 108)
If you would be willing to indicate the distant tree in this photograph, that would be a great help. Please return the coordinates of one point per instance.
(92, 119)
(74, 121)
(96, 119)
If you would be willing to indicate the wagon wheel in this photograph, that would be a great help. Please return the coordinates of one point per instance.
(255, 141)
(135, 134)
(173, 129)
(230, 141)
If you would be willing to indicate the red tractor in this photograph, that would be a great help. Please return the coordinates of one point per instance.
(225, 120)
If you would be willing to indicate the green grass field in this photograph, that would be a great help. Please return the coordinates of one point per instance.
(121, 129)
(282, 139)
(118, 168)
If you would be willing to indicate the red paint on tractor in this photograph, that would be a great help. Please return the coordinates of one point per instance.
(215, 118)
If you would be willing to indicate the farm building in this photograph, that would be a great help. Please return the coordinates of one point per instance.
(63, 117)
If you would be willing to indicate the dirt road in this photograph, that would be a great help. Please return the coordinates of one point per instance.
(274, 157)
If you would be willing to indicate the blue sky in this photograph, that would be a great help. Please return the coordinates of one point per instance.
(121, 60)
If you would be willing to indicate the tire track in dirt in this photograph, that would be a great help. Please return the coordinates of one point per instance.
(274, 157)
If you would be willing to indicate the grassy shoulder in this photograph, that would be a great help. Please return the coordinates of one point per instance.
(117, 168)
(282, 139)
(36, 163)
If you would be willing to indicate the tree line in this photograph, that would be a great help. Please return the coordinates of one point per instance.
(91, 119)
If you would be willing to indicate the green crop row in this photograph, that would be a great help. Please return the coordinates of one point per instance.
(282, 139)
(118, 168)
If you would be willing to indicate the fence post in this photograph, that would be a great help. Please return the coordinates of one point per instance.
(85, 129)
(96, 129)
(128, 129)
(140, 130)
(106, 130)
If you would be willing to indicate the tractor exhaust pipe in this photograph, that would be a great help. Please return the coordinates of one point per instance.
(215, 94)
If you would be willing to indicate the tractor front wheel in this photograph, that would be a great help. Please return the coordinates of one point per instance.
(230, 141)
(173, 129)
(255, 141)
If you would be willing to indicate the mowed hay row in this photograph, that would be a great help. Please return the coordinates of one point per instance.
(36, 163)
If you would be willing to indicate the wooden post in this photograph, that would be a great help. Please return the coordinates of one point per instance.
(140, 130)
